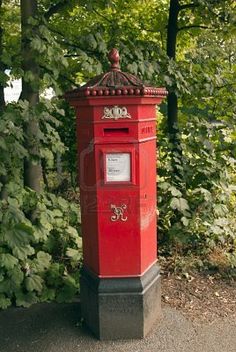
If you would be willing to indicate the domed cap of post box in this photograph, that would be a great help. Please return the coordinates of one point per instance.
(115, 83)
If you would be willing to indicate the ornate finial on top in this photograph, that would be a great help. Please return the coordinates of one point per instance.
(116, 83)
(114, 59)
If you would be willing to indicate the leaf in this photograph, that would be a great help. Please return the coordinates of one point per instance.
(73, 253)
(168, 80)
(2, 276)
(180, 204)
(8, 261)
(21, 234)
(34, 283)
(216, 230)
(72, 232)
(164, 185)
(4, 302)
(54, 274)
(91, 41)
(63, 203)
(175, 192)
(57, 213)
(5, 286)
(3, 144)
(68, 291)
(44, 221)
(23, 252)
(174, 204)
(25, 300)
(48, 294)
(133, 68)
(185, 221)
(207, 195)
(183, 204)
(42, 262)
(220, 209)
(16, 276)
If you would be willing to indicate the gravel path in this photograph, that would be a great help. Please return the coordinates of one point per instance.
(56, 328)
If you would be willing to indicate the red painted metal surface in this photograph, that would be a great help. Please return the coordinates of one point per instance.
(116, 133)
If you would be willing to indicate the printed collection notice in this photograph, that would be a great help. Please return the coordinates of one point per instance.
(118, 167)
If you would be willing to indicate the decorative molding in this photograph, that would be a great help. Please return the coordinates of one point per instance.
(127, 91)
(116, 113)
(118, 212)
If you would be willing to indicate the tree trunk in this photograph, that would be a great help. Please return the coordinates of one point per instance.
(3, 179)
(2, 66)
(172, 30)
(172, 99)
(30, 92)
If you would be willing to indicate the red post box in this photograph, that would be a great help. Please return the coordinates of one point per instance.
(116, 133)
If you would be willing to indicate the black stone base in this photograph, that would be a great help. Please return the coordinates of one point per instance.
(122, 308)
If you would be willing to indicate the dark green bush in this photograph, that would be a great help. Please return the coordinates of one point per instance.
(198, 213)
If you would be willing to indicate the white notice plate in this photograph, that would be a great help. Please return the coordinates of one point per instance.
(118, 167)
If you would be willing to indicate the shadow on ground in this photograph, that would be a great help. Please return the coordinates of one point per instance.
(57, 328)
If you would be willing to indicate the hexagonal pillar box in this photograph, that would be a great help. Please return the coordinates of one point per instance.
(116, 133)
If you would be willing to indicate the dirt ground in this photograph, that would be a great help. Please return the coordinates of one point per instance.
(202, 297)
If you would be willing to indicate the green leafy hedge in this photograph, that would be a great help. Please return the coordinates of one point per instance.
(198, 213)
(39, 258)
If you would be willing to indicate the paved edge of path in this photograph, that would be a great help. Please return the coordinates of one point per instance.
(57, 328)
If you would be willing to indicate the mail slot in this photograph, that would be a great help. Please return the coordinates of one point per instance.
(116, 131)
(120, 280)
